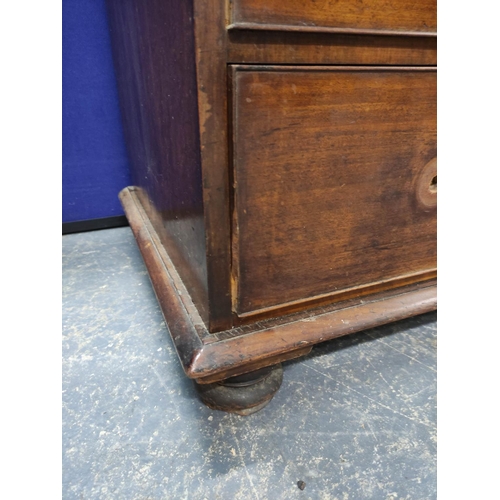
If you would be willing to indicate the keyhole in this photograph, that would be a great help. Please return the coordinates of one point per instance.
(433, 186)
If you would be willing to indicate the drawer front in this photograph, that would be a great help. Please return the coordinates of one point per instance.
(334, 181)
(399, 16)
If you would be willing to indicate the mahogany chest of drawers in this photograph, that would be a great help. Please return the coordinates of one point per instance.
(285, 182)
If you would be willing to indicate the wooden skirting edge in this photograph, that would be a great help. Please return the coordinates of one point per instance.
(207, 360)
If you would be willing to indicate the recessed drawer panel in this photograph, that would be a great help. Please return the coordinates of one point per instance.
(399, 16)
(334, 180)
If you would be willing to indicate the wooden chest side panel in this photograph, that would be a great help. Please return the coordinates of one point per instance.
(154, 57)
(329, 165)
(369, 15)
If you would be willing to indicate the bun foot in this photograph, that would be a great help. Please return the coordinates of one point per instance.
(244, 394)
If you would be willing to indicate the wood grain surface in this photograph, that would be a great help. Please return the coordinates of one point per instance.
(285, 47)
(369, 15)
(211, 70)
(327, 165)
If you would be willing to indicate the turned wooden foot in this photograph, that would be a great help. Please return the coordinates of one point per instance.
(244, 394)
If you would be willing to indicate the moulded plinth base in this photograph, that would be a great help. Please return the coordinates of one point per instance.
(216, 359)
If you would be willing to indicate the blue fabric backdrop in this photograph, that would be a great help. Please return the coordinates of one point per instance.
(94, 159)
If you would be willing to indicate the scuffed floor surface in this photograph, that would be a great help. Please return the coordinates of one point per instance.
(356, 419)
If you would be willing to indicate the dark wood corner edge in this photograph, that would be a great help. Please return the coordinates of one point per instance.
(210, 357)
(184, 325)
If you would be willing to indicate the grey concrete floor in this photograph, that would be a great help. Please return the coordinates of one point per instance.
(355, 419)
